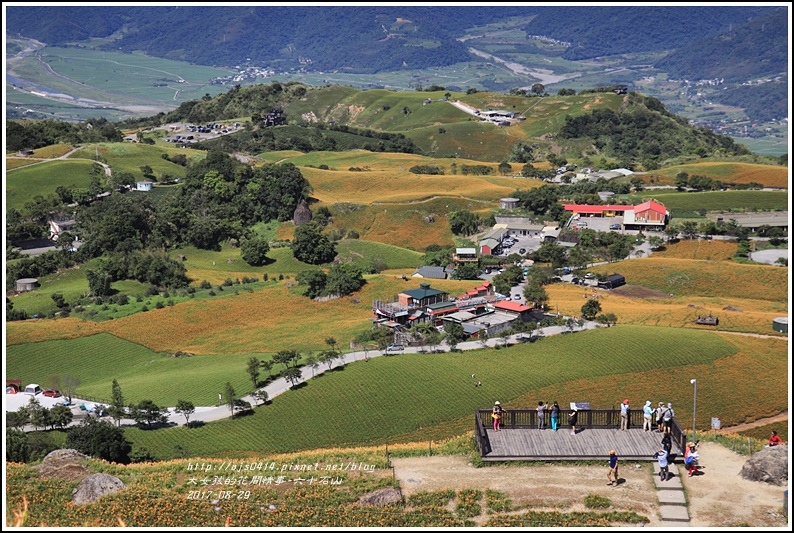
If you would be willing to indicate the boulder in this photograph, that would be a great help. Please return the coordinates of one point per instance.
(94, 487)
(64, 464)
(302, 214)
(64, 454)
(381, 497)
(770, 465)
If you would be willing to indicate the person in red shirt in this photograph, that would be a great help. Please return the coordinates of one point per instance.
(774, 439)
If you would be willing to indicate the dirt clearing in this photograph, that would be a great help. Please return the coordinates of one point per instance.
(719, 497)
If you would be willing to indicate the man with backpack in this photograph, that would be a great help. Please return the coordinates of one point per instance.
(667, 418)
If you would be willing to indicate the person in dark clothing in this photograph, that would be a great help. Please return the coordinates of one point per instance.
(555, 416)
(667, 443)
(572, 416)
(612, 473)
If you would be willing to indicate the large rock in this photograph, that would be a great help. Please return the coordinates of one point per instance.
(302, 214)
(94, 487)
(770, 465)
(381, 497)
(64, 454)
(65, 464)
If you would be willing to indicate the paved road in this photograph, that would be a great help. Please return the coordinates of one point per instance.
(280, 385)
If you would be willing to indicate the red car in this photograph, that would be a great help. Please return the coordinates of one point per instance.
(52, 393)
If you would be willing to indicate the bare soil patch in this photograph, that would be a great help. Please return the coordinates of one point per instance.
(638, 291)
(717, 498)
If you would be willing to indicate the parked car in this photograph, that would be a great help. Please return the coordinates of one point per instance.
(522, 251)
(394, 347)
(52, 393)
(581, 224)
(614, 226)
(516, 297)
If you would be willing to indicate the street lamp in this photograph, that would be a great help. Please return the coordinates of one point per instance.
(694, 407)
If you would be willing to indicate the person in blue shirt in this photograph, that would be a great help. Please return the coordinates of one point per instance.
(664, 469)
(647, 413)
(612, 474)
(624, 415)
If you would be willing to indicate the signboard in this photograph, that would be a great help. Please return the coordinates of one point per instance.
(580, 406)
(715, 423)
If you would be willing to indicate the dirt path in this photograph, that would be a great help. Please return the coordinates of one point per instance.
(718, 498)
(782, 417)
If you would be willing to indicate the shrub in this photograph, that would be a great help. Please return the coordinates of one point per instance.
(594, 501)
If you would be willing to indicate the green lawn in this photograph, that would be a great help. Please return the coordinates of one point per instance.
(683, 204)
(367, 403)
(42, 179)
(142, 373)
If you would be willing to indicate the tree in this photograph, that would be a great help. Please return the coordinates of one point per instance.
(186, 409)
(98, 282)
(538, 89)
(536, 294)
(590, 309)
(254, 251)
(314, 280)
(466, 271)
(464, 222)
(261, 396)
(294, 375)
(671, 232)
(327, 357)
(39, 415)
(331, 341)
(231, 396)
(607, 318)
(505, 168)
(149, 412)
(454, 333)
(689, 228)
(655, 242)
(311, 362)
(253, 370)
(116, 410)
(60, 416)
(268, 367)
(17, 450)
(101, 439)
(311, 246)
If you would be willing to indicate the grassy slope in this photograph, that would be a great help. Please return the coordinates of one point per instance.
(23, 184)
(727, 172)
(429, 391)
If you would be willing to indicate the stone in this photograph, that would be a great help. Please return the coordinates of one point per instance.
(302, 214)
(66, 464)
(94, 487)
(381, 497)
(63, 454)
(770, 465)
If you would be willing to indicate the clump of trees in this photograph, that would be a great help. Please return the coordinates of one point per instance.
(342, 279)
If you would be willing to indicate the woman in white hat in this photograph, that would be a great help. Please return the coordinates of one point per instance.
(496, 414)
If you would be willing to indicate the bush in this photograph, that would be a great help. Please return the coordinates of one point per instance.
(101, 439)
(594, 501)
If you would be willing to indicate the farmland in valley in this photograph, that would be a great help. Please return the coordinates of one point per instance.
(727, 172)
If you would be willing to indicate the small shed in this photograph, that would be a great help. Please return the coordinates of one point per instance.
(780, 324)
(26, 284)
(144, 185)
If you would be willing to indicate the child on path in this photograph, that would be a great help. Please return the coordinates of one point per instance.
(664, 469)
(612, 474)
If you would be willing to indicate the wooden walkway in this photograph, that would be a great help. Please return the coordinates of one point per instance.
(588, 444)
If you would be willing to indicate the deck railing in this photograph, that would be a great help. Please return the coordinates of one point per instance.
(590, 418)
